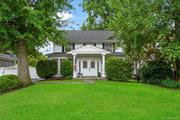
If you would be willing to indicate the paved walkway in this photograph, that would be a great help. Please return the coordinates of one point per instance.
(37, 80)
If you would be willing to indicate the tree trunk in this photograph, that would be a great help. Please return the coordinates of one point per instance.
(23, 66)
(175, 70)
(136, 71)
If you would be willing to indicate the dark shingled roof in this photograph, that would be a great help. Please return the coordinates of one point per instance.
(78, 36)
(59, 54)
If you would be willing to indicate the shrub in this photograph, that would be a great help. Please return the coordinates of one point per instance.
(46, 68)
(67, 69)
(118, 69)
(170, 83)
(8, 82)
(155, 71)
(34, 58)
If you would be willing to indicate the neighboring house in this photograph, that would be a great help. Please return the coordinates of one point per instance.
(8, 66)
(7, 60)
(14, 70)
(88, 50)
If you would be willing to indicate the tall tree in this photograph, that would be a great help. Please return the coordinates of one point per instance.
(139, 25)
(171, 46)
(98, 14)
(27, 25)
(135, 24)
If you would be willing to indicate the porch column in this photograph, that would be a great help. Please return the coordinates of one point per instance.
(74, 65)
(59, 66)
(103, 65)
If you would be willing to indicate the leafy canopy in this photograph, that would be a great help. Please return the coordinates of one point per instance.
(35, 21)
(138, 25)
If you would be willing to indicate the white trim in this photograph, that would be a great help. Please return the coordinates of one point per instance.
(74, 66)
(103, 66)
(89, 49)
(59, 66)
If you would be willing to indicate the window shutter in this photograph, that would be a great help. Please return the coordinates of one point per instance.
(103, 45)
(73, 46)
(62, 48)
(113, 47)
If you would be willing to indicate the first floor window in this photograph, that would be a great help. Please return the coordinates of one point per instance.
(84, 64)
(92, 64)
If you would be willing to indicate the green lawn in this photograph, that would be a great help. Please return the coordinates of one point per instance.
(103, 100)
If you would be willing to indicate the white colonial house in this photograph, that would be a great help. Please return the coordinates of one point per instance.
(88, 51)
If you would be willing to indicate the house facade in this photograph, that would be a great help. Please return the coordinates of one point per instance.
(88, 51)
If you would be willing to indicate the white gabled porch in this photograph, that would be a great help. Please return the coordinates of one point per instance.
(89, 61)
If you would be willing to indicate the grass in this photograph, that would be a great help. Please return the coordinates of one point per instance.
(103, 100)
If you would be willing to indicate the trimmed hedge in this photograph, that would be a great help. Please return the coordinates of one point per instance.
(8, 82)
(67, 69)
(153, 72)
(118, 69)
(46, 68)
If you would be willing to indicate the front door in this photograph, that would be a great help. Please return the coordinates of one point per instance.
(89, 67)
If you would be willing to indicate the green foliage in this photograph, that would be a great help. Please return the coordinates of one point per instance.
(97, 10)
(67, 69)
(154, 71)
(34, 58)
(46, 68)
(118, 69)
(170, 83)
(35, 21)
(8, 82)
(139, 25)
(132, 22)
(31, 24)
(172, 50)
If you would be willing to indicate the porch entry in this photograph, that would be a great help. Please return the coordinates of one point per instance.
(91, 59)
(89, 67)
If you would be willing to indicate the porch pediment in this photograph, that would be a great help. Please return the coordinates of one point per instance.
(89, 49)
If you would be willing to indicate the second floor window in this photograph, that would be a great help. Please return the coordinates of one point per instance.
(114, 47)
(103, 45)
(63, 49)
(73, 46)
